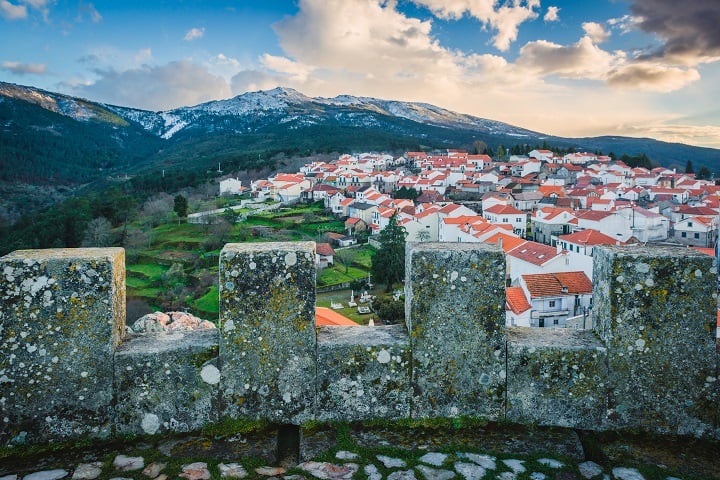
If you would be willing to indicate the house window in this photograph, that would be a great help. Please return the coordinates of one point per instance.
(555, 322)
(689, 224)
(552, 303)
(683, 234)
(697, 235)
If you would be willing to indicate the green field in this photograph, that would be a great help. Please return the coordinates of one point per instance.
(196, 248)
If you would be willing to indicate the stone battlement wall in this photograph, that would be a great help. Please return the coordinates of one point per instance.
(67, 372)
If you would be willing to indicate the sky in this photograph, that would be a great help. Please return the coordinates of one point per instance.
(561, 67)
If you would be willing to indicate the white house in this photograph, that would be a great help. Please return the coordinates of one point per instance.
(647, 225)
(580, 246)
(505, 214)
(517, 308)
(697, 231)
(556, 296)
(533, 257)
(230, 186)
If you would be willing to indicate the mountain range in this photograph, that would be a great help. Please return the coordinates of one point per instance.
(48, 137)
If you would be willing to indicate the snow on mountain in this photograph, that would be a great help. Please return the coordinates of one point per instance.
(253, 111)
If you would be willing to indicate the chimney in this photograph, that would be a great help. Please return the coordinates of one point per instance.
(500, 242)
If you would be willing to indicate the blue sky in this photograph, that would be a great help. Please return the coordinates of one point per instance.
(572, 68)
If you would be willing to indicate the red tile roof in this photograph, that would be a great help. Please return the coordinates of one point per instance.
(533, 252)
(509, 242)
(557, 284)
(504, 210)
(324, 249)
(588, 237)
(328, 318)
(515, 300)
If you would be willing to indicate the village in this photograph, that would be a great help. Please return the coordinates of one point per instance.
(546, 212)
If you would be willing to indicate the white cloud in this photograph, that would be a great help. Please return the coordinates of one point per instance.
(595, 31)
(11, 11)
(155, 87)
(580, 60)
(143, 56)
(505, 19)
(295, 70)
(552, 14)
(24, 68)
(194, 34)
(89, 10)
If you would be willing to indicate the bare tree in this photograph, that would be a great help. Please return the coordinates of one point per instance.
(157, 209)
(98, 233)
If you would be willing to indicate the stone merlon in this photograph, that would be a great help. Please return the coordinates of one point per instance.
(67, 371)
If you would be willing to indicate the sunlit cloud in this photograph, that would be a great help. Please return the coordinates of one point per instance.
(552, 14)
(653, 76)
(583, 59)
(194, 34)
(18, 68)
(504, 18)
(595, 31)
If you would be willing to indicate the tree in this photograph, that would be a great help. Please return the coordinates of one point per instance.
(479, 147)
(689, 167)
(500, 152)
(388, 263)
(703, 173)
(157, 208)
(346, 256)
(181, 206)
(404, 192)
(97, 233)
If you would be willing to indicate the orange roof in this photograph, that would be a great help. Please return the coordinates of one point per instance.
(548, 189)
(557, 284)
(324, 249)
(706, 251)
(515, 300)
(501, 209)
(588, 237)
(508, 241)
(324, 317)
(533, 252)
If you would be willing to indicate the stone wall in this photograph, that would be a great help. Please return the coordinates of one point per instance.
(67, 372)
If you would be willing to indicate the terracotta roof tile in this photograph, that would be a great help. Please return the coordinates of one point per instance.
(557, 284)
(515, 300)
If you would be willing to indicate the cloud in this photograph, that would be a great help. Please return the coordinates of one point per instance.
(194, 34)
(143, 56)
(89, 10)
(10, 11)
(580, 60)
(595, 31)
(18, 68)
(155, 87)
(652, 76)
(688, 30)
(552, 14)
(505, 19)
(624, 24)
(295, 70)
(254, 80)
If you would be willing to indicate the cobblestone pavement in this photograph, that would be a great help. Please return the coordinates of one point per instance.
(377, 454)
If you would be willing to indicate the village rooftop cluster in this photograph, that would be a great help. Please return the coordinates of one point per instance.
(545, 211)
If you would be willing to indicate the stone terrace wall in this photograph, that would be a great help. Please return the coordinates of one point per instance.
(66, 372)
